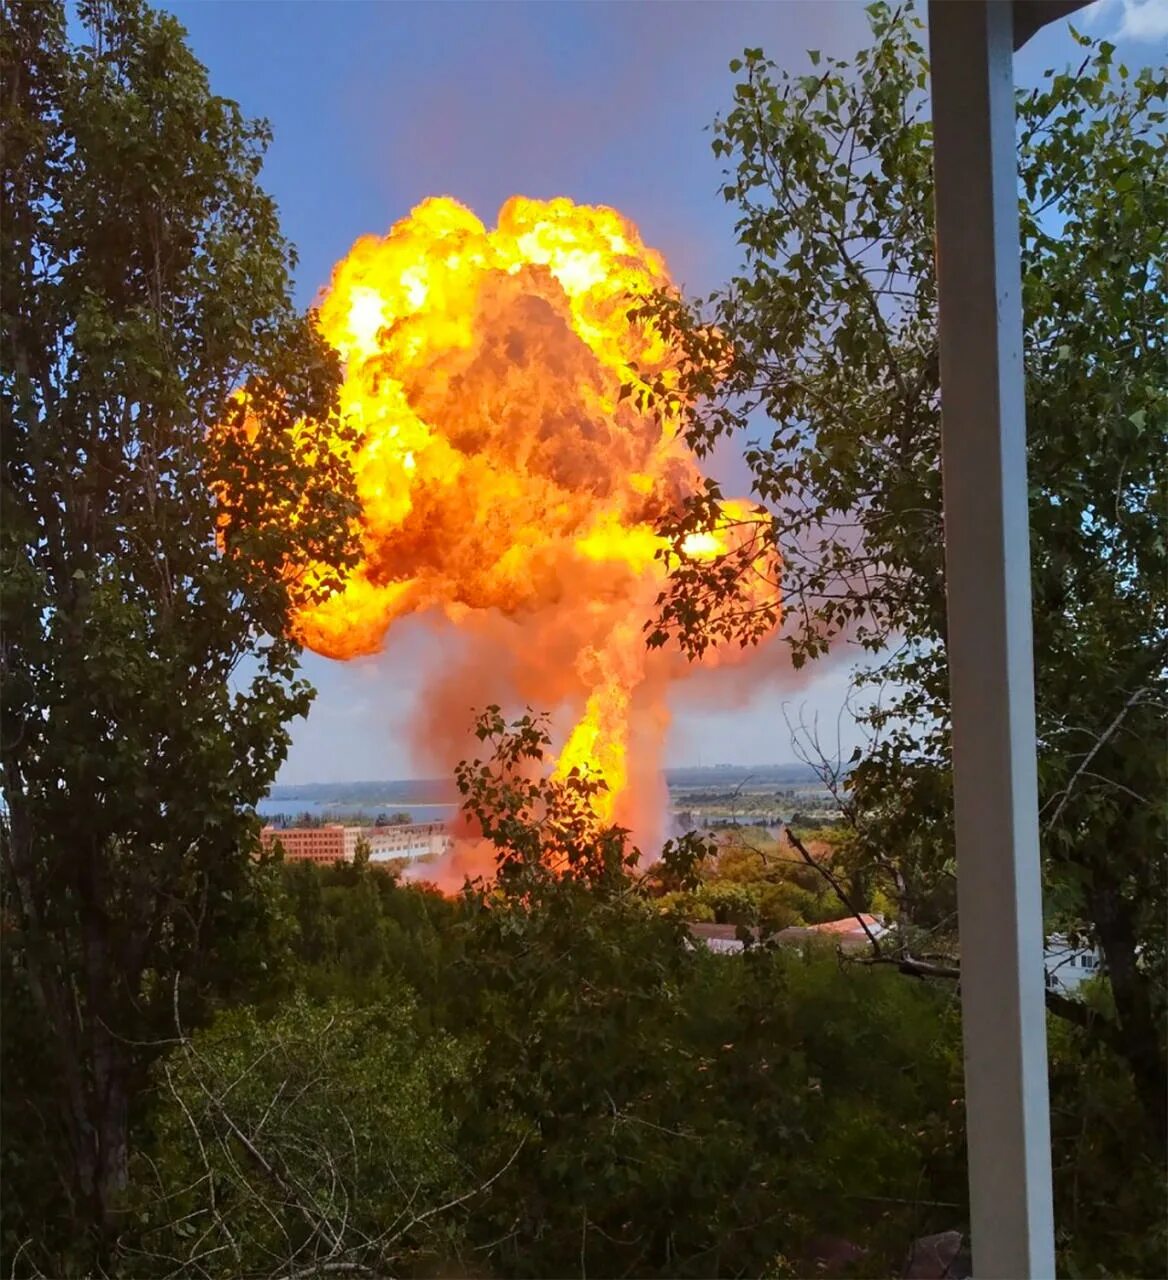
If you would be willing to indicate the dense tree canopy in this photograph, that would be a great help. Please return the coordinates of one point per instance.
(545, 1076)
(828, 337)
(154, 529)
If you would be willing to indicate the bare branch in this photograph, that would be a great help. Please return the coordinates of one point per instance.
(1063, 797)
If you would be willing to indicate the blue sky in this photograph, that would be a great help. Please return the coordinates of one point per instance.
(378, 105)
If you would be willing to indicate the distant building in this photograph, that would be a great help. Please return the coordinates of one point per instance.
(338, 843)
(721, 938)
(328, 844)
(1067, 967)
(850, 932)
(847, 933)
(408, 840)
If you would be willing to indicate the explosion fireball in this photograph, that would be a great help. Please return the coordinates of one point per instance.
(503, 480)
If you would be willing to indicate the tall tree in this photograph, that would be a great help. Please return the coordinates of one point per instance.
(828, 332)
(168, 497)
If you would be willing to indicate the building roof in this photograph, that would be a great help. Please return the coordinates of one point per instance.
(720, 932)
(848, 932)
(1031, 15)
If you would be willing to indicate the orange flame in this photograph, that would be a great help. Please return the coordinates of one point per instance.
(498, 467)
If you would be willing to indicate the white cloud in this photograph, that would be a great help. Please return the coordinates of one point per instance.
(1137, 19)
(1144, 19)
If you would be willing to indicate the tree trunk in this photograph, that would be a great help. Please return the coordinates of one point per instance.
(1140, 1039)
(75, 993)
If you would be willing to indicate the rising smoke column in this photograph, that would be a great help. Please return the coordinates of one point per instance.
(503, 480)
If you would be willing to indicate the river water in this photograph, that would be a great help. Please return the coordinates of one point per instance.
(268, 808)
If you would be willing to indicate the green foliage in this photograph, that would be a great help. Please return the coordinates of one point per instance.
(731, 903)
(829, 331)
(358, 929)
(548, 1078)
(756, 880)
(315, 1137)
(151, 552)
(543, 829)
(1110, 1180)
(674, 1124)
(692, 1114)
(546, 830)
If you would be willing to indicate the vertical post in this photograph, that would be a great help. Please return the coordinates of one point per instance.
(989, 644)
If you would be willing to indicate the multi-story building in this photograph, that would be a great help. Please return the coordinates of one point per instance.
(408, 840)
(327, 844)
(335, 842)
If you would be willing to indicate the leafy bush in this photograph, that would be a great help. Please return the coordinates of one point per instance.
(316, 1136)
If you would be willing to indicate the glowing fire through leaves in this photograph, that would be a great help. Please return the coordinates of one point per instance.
(503, 478)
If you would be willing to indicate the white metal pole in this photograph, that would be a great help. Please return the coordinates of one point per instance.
(989, 642)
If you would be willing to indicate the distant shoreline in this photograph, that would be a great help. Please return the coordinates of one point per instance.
(271, 807)
(699, 794)
(421, 792)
